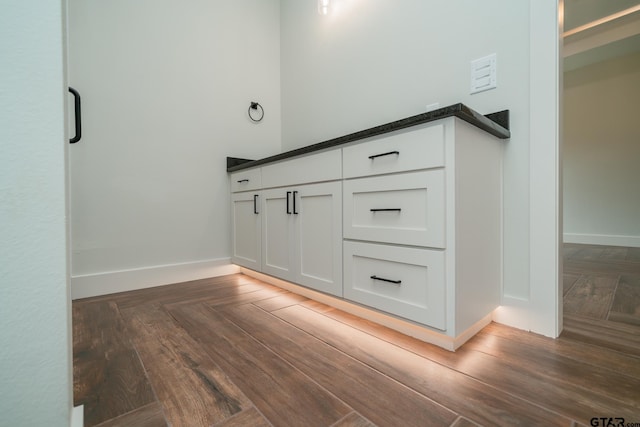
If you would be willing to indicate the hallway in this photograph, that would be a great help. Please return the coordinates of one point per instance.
(601, 288)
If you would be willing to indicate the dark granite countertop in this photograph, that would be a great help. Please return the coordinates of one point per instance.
(496, 124)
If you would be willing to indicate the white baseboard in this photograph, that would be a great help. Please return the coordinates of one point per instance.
(77, 416)
(91, 285)
(514, 312)
(406, 327)
(602, 239)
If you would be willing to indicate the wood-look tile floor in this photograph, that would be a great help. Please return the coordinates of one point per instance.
(234, 351)
(601, 289)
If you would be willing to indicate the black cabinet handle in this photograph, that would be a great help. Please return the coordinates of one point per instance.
(243, 180)
(255, 204)
(77, 110)
(386, 210)
(295, 212)
(384, 154)
(288, 209)
(396, 282)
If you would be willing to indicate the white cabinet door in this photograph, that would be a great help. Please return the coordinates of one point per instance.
(318, 248)
(278, 234)
(246, 230)
(302, 235)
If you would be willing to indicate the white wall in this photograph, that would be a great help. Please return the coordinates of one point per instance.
(602, 153)
(35, 355)
(166, 86)
(374, 62)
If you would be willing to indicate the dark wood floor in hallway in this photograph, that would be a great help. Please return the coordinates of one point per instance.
(234, 351)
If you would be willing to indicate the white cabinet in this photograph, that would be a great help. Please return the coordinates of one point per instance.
(246, 221)
(405, 150)
(413, 219)
(246, 180)
(277, 234)
(320, 167)
(318, 236)
(422, 225)
(302, 235)
(246, 229)
(406, 209)
(290, 225)
(409, 282)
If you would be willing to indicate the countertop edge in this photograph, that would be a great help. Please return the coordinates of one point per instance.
(496, 124)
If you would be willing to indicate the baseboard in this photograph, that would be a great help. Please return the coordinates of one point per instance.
(602, 239)
(514, 312)
(467, 334)
(92, 285)
(421, 332)
(77, 416)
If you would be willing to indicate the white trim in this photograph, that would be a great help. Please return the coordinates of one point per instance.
(541, 310)
(603, 239)
(77, 416)
(513, 312)
(472, 330)
(545, 168)
(110, 282)
(420, 332)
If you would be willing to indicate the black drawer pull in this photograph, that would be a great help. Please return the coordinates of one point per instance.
(255, 204)
(288, 209)
(396, 282)
(384, 154)
(295, 212)
(386, 210)
(243, 180)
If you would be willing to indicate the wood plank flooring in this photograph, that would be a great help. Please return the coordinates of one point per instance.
(601, 289)
(113, 378)
(234, 351)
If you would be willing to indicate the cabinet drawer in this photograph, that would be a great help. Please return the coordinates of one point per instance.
(406, 151)
(406, 282)
(246, 180)
(326, 166)
(407, 209)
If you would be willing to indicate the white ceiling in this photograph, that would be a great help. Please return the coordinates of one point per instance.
(581, 12)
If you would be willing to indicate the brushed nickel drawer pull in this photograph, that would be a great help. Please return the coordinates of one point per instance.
(396, 282)
(386, 210)
(384, 154)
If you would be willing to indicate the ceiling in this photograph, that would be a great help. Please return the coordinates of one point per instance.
(581, 12)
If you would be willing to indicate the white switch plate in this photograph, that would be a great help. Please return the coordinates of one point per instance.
(483, 74)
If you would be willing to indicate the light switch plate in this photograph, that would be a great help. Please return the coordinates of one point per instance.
(484, 74)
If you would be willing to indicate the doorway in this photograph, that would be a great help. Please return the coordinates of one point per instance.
(601, 289)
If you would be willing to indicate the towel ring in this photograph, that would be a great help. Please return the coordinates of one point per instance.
(255, 106)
